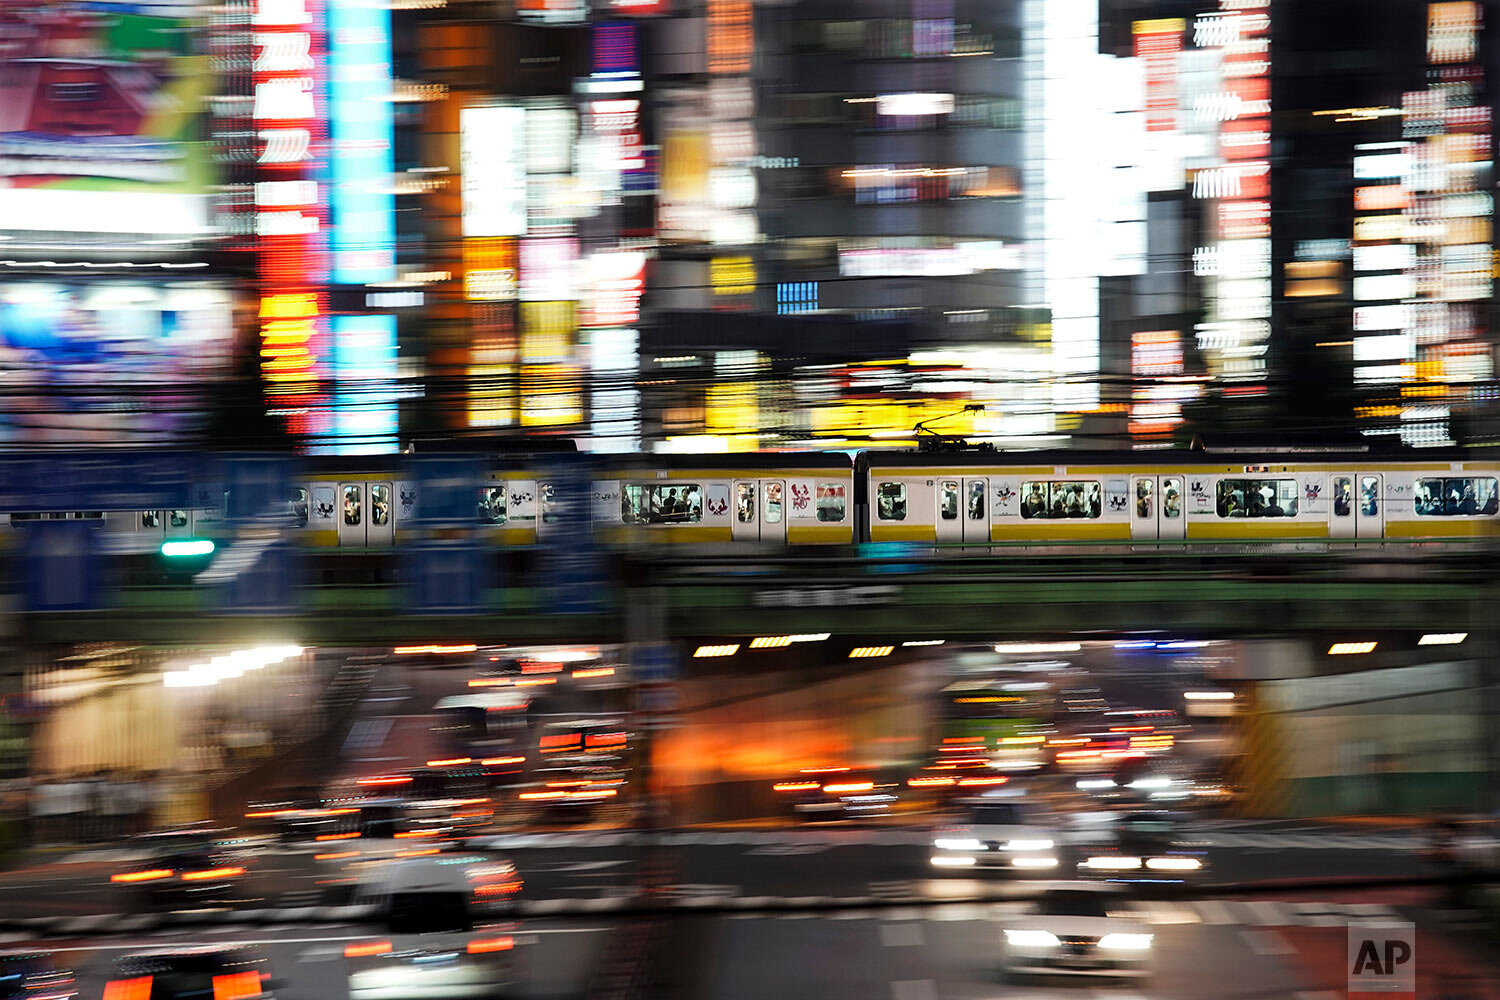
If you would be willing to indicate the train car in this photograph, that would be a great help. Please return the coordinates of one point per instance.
(1043, 497)
(787, 498)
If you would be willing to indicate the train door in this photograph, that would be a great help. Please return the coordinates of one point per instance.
(380, 526)
(352, 515)
(1341, 505)
(976, 519)
(772, 510)
(746, 524)
(1144, 508)
(759, 510)
(1369, 505)
(1171, 521)
(949, 506)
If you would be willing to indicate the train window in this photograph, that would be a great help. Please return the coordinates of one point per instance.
(1061, 499)
(1343, 496)
(949, 505)
(773, 503)
(666, 503)
(1369, 496)
(179, 519)
(1143, 490)
(744, 502)
(1456, 497)
(831, 501)
(1171, 498)
(550, 513)
(890, 502)
(296, 503)
(380, 505)
(353, 504)
(1257, 498)
(492, 505)
(976, 500)
(151, 519)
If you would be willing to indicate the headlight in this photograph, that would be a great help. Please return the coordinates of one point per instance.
(1034, 861)
(1028, 845)
(952, 860)
(958, 845)
(1032, 939)
(1125, 942)
(1174, 864)
(1112, 863)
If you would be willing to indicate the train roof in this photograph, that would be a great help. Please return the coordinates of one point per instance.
(1165, 456)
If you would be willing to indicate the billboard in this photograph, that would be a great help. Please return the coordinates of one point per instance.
(110, 363)
(492, 154)
(101, 118)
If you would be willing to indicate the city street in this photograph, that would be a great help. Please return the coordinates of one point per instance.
(1253, 947)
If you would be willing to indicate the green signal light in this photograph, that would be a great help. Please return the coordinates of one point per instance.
(187, 547)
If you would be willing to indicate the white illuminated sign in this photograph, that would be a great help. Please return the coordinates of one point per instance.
(1374, 287)
(914, 105)
(492, 152)
(1384, 257)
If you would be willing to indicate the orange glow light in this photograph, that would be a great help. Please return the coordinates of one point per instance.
(852, 786)
(384, 781)
(535, 681)
(794, 786)
(450, 762)
(822, 770)
(367, 949)
(594, 672)
(485, 682)
(481, 945)
(928, 782)
(146, 876)
(960, 749)
(467, 647)
(237, 985)
(128, 989)
(336, 856)
(491, 761)
(209, 873)
(982, 781)
(419, 854)
(542, 795)
(497, 889)
(338, 836)
(417, 834)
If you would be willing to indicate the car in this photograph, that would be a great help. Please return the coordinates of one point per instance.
(1073, 929)
(1148, 845)
(185, 868)
(436, 945)
(223, 972)
(32, 974)
(825, 794)
(575, 788)
(999, 829)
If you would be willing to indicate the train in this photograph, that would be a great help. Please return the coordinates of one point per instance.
(808, 499)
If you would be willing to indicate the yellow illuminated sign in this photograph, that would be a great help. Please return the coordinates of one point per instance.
(732, 275)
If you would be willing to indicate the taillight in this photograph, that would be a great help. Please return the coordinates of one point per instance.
(481, 945)
(367, 949)
(208, 873)
(237, 985)
(146, 876)
(128, 989)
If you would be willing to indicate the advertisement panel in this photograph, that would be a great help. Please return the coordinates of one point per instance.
(492, 154)
(116, 363)
(100, 118)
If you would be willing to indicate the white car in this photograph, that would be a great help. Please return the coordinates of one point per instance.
(996, 831)
(1073, 931)
(434, 949)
